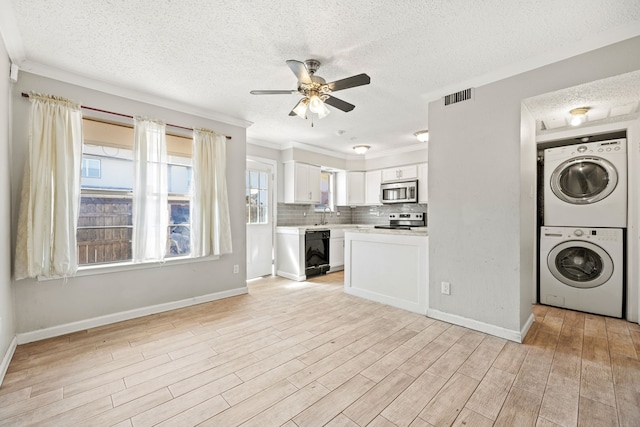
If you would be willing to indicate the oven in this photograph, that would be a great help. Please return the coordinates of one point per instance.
(316, 252)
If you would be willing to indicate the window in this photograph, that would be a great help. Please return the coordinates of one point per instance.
(179, 183)
(257, 192)
(326, 191)
(105, 222)
(90, 168)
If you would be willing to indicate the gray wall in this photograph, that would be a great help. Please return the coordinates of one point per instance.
(40, 305)
(7, 326)
(479, 165)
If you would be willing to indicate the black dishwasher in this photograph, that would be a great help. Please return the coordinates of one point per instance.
(316, 252)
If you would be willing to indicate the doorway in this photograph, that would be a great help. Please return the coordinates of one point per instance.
(260, 216)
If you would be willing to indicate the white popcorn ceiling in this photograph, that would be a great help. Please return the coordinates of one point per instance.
(210, 54)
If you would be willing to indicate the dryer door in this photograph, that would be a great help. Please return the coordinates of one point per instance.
(584, 180)
(580, 264)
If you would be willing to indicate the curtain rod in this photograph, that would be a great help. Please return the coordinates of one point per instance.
(26, 95)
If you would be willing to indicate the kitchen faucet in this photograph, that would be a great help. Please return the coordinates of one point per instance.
(323, 218)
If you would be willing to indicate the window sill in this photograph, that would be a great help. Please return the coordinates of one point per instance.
(92, 270)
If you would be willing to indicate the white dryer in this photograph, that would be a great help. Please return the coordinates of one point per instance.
(586, 185)
(582, 269)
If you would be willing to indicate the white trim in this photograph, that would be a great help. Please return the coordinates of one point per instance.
(511, 335)
(265, 144)
(7, 358)
(291, 276)
(81, 325)
(420, 146)
(115, 267)
(11, 34)
(136, 95)
(411, 306)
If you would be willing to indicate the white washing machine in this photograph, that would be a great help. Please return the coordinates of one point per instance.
(582, 269)
(586, 185)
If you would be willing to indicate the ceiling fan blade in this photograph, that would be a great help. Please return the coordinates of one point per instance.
(273, 92)
(353, 81)
(339, 104)
(300, 70)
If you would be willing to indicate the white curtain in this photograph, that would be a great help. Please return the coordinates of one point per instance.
(150, 216)
(46, 243)
(210, 223)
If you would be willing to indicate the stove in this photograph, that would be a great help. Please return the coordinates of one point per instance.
(404, 221)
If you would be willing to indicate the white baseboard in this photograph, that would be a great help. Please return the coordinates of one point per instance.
(385, 299)
(81, 325)
(291, 276)
(7, 358)
(511, 335)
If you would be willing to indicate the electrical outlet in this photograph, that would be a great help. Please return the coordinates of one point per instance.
(445, 288)
(236, 269)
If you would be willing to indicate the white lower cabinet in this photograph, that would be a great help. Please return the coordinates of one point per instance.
(336, 250)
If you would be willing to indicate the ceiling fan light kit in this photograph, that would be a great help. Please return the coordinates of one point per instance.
(315, 90)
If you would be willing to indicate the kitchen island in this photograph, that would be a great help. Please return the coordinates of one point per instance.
(388, 266)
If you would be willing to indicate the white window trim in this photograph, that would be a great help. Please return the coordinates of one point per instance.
(96, 269)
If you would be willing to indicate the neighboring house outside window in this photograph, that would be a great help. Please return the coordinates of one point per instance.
(105, 222)
(326, 191)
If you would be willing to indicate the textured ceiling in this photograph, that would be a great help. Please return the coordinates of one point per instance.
(210, 54)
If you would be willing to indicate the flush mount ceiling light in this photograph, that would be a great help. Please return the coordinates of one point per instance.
(361, 149)
(578, 115)
(422, 135)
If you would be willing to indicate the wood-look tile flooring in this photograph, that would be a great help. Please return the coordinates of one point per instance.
(306, 354)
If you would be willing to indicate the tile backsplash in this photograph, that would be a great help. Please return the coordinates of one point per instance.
(289, 214)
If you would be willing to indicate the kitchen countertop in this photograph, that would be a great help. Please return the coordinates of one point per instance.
(358, 228)
(417, 231)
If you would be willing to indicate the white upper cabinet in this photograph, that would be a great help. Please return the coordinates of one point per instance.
(301, 183)
(373, 179)
(423, 183)
(400, 173)
(350, 188)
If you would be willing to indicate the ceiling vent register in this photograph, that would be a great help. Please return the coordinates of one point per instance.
(454, 98)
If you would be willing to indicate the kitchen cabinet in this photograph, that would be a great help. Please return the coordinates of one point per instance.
(400, 173)
(336, 250)
(350, 188)
(301, 183)
(373, 179)
(423, 183)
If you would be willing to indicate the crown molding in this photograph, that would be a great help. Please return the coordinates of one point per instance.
(10, 34)
(394, 151)
(265, 144)
(136, 95)
(313, 149)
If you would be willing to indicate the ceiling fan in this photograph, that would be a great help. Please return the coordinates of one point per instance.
(315, 90)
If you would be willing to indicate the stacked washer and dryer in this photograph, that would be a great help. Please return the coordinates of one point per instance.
(585, 217)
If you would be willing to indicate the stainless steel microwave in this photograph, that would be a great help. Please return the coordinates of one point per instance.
(399, 192)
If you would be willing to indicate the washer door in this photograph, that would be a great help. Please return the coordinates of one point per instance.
(584, 180)
(580, 264)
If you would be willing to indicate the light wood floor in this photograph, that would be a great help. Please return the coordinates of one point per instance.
(302, 354)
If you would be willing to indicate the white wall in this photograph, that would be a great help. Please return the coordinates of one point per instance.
(7, 325)
(478, 167)
(50, 304)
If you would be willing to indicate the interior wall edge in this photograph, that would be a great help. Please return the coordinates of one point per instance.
(6, 360)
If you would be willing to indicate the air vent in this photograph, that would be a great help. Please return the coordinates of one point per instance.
(454, 98)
